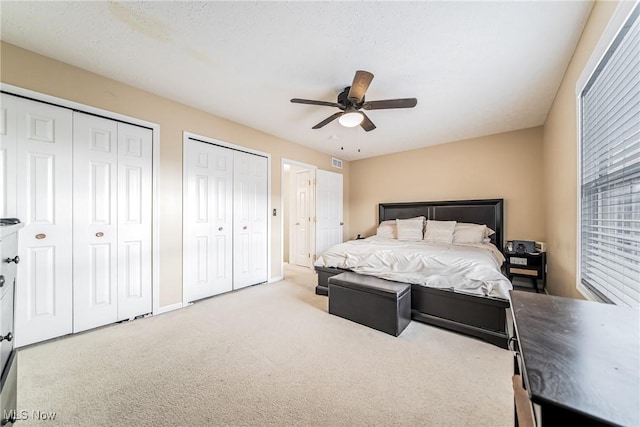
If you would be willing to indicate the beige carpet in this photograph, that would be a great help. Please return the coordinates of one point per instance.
(265, 355)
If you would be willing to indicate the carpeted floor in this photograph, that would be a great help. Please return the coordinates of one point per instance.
(265, 355)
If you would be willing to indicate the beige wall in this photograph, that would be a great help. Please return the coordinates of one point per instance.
(506, 165)
(31, 71)
(560, 163)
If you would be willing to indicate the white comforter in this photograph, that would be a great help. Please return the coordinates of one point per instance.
(469, 268)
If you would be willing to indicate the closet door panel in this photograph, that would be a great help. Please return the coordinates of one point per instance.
(207, 220)
(95, 266)
(250, 219)
(43, 137)
(8, 147)
(134, 221)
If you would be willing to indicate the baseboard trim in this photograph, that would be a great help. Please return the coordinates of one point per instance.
(168, 308)
(275, 279)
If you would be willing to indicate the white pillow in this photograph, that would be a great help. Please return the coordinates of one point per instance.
(439, 231)
(387, 229)
(487, 232)
(469, 233)
(410, 229)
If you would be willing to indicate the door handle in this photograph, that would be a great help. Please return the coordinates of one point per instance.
(1, 281)
(99, 234)
(297, 223)
(244, 228)
(15, 259)
(7, 337)
(342, 223)
(220, 228)
(41, 236)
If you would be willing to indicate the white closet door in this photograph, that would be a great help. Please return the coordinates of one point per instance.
(95, 160)
(249, 219)
(134, 220)
(43, 203)
(208, 209)
(328, 210)
(8, 147)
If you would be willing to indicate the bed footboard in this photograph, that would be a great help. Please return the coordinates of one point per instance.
(478, 316)
(323, 278)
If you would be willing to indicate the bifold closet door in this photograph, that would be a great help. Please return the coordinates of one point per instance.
(208, 209)
(250, 178)
(111, 221)
(135, 163)
(38, 138)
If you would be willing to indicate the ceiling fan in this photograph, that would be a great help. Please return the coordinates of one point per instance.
(351, 101)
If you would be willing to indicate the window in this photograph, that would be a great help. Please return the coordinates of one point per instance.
(610, 171)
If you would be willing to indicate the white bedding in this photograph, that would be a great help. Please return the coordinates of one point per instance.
(471, 268)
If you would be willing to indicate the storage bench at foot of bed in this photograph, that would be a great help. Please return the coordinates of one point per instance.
(377, 303)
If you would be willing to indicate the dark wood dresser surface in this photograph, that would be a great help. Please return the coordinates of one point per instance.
(580, 356)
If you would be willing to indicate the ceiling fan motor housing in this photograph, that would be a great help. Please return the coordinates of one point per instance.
(344, 100)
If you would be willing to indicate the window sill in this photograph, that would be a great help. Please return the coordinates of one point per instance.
(589, 295)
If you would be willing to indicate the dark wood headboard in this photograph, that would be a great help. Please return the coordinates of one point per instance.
(489, 212)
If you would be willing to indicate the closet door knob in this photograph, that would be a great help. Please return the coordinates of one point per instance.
(244, 228)
(41, 236)
(15, 259)
(220, 228)
(7, 337)
(99, 234)
(1, 281)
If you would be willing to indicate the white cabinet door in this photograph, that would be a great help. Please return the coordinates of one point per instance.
(328, 210)
(208, 209)
(43, 203)
(134, 220)
(249, 219)
(95, 263)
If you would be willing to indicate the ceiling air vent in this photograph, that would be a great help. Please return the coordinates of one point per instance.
(336, 163)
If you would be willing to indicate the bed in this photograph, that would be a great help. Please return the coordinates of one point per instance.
(471, 312)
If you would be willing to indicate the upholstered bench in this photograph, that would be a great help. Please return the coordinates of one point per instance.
(370, 301)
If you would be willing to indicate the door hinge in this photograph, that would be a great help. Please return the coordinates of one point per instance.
(315, 219)
(309, 255)
(314, 258)
(315, 181)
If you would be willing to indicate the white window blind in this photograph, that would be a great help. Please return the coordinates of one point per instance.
(610, 172)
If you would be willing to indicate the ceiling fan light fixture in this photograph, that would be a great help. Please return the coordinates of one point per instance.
(351, 119)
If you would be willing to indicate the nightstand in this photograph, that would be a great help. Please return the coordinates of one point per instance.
(530, 265)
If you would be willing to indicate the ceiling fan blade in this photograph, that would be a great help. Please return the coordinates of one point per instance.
(361, 82)
(328, 120)
(390, 103)
(312, 102)
(366, 123)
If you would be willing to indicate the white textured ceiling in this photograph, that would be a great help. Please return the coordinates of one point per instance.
(477, 68)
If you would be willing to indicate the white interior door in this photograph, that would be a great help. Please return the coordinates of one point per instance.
(43, 202)
(95, 240)
(250, 180)
(134, 220)
(8, 148)
(208, 222)
(301, 234)
(329, 210)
